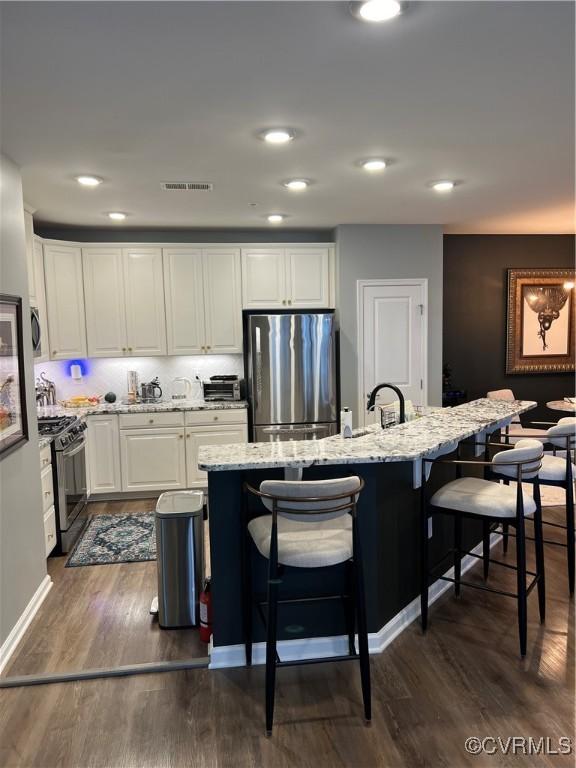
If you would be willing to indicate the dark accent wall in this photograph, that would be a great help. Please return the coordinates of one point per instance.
(475, 285)
(121, 234)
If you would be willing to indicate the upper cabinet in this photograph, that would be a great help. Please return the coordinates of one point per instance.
(298, 277)
(203, 300)
(124, 291)
(65, 301)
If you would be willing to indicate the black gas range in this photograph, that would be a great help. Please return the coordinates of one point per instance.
(69, 475)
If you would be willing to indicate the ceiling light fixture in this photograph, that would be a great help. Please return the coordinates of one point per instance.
(275, 218)
(445, 185)
(277, 136)
(116, 215)
(296, 185)
(89, 181)
(374, 164)
(377, 10)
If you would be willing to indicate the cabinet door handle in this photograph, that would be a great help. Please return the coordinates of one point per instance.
(188, 436)
(284, 301)
(289, 301)
(129, 349)
(215, 418)
(54, 352)
(208, 347)
(150, 421)
(47, 493)
(123, 349)
(181, 437)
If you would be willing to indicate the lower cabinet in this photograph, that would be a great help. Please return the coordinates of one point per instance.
(197, 436)
(156, 451)
(153, 459)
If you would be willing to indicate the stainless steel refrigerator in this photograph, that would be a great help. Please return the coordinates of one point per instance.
(291, 376)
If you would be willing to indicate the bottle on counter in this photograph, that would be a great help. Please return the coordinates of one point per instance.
(346, 422)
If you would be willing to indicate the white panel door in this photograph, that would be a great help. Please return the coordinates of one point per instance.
(145, 312)
(65, 301)
(105, 302)
(41, 301)
(184, 291)
(103, 454)
(197, 436)
(223, 300)
(308, 277)
(263, 278)
(153, 459)
(392, 325)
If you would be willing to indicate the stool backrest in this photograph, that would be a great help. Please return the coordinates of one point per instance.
(528, 452)
(566, 427)
(503, 394)
(311, 500)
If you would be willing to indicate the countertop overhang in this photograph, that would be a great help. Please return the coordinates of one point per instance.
(119, 407)
(440, 430)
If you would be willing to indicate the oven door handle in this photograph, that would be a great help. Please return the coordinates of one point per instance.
(68, 454)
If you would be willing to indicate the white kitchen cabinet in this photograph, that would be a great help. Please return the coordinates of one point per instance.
(184, 290)
(50, 530)
(263, 278)
(208, 435)
(308, 277)
(203, 300)
(297, 277)
(144, 295)
(222, 300)
(103, 270)
(29, 239)
(41, 301)
(153, 459)
(103, 454)
(65, 301)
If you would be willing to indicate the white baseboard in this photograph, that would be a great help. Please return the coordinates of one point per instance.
(16, 634)
(337, 645)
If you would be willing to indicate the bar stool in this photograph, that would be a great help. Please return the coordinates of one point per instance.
(313, 524)
(515, 431)
(559, 472)
(482, 499)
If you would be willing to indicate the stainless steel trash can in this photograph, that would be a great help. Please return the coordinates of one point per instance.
(180, 557)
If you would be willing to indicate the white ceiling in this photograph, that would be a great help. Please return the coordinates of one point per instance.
(144, 92)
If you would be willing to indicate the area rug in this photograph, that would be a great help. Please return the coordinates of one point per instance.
(115, 539)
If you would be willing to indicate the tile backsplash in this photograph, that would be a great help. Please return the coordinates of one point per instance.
(101, 375)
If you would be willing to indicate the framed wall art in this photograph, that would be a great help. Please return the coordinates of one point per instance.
(541, 319)
(13, 418)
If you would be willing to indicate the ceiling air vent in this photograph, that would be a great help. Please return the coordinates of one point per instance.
(187, 186)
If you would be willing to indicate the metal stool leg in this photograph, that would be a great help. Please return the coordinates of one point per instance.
(457, 554)
(247, 597)
(486, 547)
(424, 564)
(350, 607)
(539, 550)
(362, 624)
(570, 532)
(271, 629)
(521, 581)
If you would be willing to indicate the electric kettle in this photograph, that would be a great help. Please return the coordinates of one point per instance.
(181, 388)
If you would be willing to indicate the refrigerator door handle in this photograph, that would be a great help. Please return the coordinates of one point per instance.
(258, 367)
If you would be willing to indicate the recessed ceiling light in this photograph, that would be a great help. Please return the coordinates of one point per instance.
(275, 218)
(89, 181)
(377, 10)
(444, 185)
(296, 185)
(116, 215)
(278, 136)
(374, 164)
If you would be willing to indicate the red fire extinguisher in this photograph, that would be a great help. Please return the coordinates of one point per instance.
(206, 613)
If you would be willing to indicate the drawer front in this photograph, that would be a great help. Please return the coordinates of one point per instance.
(151, 420)
(217, 416)
(45, 457)
(47, 488)
(50, 530)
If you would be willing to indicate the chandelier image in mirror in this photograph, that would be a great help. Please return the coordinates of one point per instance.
(541, 321)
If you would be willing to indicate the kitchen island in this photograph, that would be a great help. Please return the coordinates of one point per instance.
(389, 461)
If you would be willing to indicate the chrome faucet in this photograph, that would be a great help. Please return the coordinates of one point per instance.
(372, 399)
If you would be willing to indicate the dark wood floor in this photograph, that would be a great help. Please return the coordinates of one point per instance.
(430, 693)
(98, 616)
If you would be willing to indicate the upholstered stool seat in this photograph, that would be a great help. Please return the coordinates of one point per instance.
(554, 468)
(305, 545)
(481, 497)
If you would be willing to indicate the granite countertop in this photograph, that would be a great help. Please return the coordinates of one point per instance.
(118, 407)
(403, 442)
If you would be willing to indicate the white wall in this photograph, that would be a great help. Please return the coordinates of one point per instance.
(22, 553)
(110, 374)
(375, 251)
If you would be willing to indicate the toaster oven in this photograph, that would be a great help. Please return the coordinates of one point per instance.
(222, 388)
